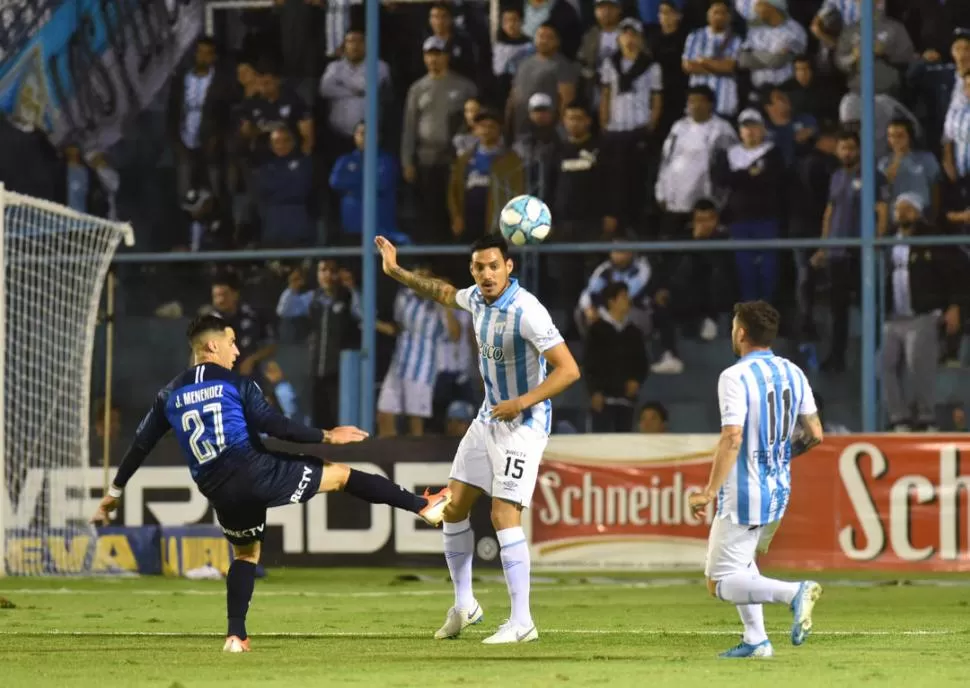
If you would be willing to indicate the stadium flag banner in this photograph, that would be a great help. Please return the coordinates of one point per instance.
(876, 502)
(194, 547)
(110, 550)
(82, 69)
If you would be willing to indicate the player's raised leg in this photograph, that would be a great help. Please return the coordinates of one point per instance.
(377, 489)
(459, 549)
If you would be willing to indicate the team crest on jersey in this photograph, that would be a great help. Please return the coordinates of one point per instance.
(492, 353)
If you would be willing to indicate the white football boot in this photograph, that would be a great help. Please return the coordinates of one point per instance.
(458, 620)
(511, 632)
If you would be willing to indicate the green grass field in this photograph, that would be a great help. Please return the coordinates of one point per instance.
(354, 627)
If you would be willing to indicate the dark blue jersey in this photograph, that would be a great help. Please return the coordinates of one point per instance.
(217, 416)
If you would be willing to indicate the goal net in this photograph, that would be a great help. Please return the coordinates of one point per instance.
(54, 264)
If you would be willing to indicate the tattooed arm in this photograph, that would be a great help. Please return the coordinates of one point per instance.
(428, 287)
(808, 434)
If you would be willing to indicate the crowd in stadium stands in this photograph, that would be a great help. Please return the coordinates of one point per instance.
(645, 120)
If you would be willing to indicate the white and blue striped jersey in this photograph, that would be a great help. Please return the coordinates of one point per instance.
(512, 334)
(764, 394)
(849, 10)
(746, 9)
(456, 356)
(789, 38)
(421, 330)
(705, 43)
(956, 130)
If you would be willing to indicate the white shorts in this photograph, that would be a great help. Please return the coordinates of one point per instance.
(501, 459)
(408, 397)
(732, 547)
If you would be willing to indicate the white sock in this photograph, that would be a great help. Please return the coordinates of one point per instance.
(750, 587)
(753, 618)
(459, 553)
(518, 570)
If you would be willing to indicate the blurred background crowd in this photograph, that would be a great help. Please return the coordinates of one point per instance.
(640, 120)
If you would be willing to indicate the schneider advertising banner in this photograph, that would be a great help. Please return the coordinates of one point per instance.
(82, 68)
(858, 502)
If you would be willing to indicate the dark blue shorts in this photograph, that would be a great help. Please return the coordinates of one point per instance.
(267, 479)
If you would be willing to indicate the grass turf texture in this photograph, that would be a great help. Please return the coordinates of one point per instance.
(359, 627)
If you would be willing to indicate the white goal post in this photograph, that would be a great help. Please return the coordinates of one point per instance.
(54, 262)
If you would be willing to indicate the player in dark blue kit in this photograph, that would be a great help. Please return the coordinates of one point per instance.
(217, 416)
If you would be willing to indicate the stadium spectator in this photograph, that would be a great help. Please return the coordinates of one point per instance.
(688, 152)
(922, 283)
(653, 418)
(538, 145)
(808, 196)
(85, 192)
(578, 186)
(465, 139)
(208, 226)
(631, 104)
(255, 338)
(809, 95)
(459, 416)
(456, 368)
(333, 316)
(561, 15)
(461, 51)
(283, 394)
(510, 48)
(842, 219)
(114, 420)
(956, 138)
(432, 116)
(704, 279)
(753, 172)
(886, 109)
(937, 22)
(347, 178)
(961, 62)
(910, 171)
(893, 52)
(272, 108)
(622, 266)
(198, 119)
(958, 418)
(483, 181)
(711, 58)
(420, 326)
(343, 87)
(108, 177)
(548, 72)
(598, 45)
(791, 133)
(285, 185)
(615, 363)
(666, 46)
(772, 44)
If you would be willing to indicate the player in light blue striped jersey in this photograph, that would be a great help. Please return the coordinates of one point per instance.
(768, 416)
(421, 326)
(500, 453)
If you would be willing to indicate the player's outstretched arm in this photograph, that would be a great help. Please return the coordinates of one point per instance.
(428, 287)
(262, 417)
(151, 429)
(808, 434)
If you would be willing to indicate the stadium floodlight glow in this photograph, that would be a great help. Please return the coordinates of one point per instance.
(54, 263)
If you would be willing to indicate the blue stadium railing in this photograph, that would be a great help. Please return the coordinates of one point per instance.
(871, 309)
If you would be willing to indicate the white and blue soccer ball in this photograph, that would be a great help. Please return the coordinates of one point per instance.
(525, 220)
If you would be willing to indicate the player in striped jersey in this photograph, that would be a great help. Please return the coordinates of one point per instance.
(956, 136)
(500, 453)
(421, 325)
(768, 416)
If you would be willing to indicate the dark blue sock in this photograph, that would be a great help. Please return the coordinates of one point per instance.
(240, 582)
(377, 489)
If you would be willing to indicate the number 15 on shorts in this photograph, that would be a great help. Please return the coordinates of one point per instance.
(514, 467)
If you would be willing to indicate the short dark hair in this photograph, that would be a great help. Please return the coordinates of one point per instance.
(657, 407)
(614, 289)
(203, 324)
(726, 3)
(442, 6)
(804, 58)
(207, 40)
(705, 205)
(905, 124)
(578, 105)
(759, 320)
(491, 241)
(702, 90)
(849, 135)
(513, 9)
(549, 25)
(227, 279)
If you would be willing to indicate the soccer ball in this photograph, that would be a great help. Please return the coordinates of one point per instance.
(525, 220)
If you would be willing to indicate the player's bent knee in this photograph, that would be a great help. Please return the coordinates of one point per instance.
(463, 497)
(334, 477)
(506, 514)
(248, 552)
